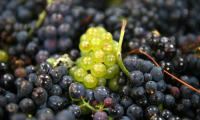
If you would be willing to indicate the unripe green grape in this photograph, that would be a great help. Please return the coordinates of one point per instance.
(87, 62)
(3, 56)
(90, 81)
(110, 72)
(98, 56)
(101, 81)
(78, 61)
(107, 48)
(79, 74)
(83, 37)
(84, 54)
(117, 70)
(72, 70)
(96, 43)
(110, 60)
(115, 47)
(98, 70)
(113, 85)
(101, 29)
(106, 37)
(92, 32)
(84, 46)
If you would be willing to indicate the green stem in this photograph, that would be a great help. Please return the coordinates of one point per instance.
(119, 56)
(89, 106)
(74, 99)
(160, 107)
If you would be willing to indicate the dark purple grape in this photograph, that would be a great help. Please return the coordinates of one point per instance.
(64, 44)
(136, 78)
(100, 116)
(116, 98)
(174, 91)
(30, 69)
(7, 81)
(18, 116)
(75, 110)
(166, 114)
(167, 66)
(142, 102)
(108, 102)
(42, 111)
(156, 98)
(32, 78)
(157, 73)
(12, 108)
(50, 32)
(116, 110)
(44, 81)
(130, 63)
(152, 40)
(55, 103)
(41, 56)
(65, 82)
(145, 66)
(25, 89)
(191, 61)
(23, 37)
(55, 75)
(65, 115)
(195, 99)
(101, 93)
(27, 105)
(89, 95)
(161, 85)
(55, 90)
(46, 116)
(44, 68)
(151, 87)
(11, 98)
(186, 102)
(50, 45)
(151, 111)
(180, 64)
(147, 77)
(76, 90)
(126, 102)
(157, 117)
(185, 91)
(137, 92)
(169, 101)
(31, 49)
(135, 112)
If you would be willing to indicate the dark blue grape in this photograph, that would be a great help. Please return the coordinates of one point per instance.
(194, 82)
(55, 90)
(30, 69)
(186, 102)
(161, 86)
(7, 81)
(122, 80)
(152, 40)
(124, 90)
(74, 54)
(151, 87)
(191, 61)
(130, 63)
(174, 118)
(169, 101)
(39, 96)
(3, 101)
(42, 111)
(145, 66)
(65, 82)
(180, 64)
(55, 74)
(167, 66)
(20, 48)
(115, 97)
(63, 70)
(138, 92)
(50, 31)
(50, 45)
(44, 81)
(89, 95)
(12, 108)
(136, 78)
(31, 48)
(147, 77)
(55, 103)
(76, 90)
(166, 114)
(56, 19)
(11, 98)
(186, 92)
(23, 37)
(19, 80)
(156, 98)
(126, 102)
(75, 110)
(18, 116)
(142, 102)
(124, 118)
(32, 78)
(46, 116)
(64, 30)
(157, 117)
(64, 44)
(25, 88)
(185, 79)
(24, 15)
(44, 68)
(27, 105)
(65, 115)
(116, 110)
(151, 111)
(157, 73)
(41, 56)
(160, 54)
(195, 99)
(179, 108)
(101, 93)
(135, 112)
(64, 9)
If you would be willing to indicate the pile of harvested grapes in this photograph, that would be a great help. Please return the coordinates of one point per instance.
(104, 60)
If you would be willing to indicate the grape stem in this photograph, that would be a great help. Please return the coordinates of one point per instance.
(89, 106)
(119, 56)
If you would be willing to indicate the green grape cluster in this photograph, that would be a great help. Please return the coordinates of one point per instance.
(98, 62)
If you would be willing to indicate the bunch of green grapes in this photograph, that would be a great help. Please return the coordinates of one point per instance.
(98, 61)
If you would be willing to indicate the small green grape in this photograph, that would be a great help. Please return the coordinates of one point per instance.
(78, 61)
(110, 72)
(107, 48)
(98, 70)
(117, 70)
(101, 81)
(106, 37)
(113, 85)
(72, 70)
(3, 56)
(110, 60)
(84, 109)
(51, 60)
(79, 74)
(101, 29)
(87, 62)
(96, 43)
(83, 37)
(84, 46)
(98, 56)
(90, 81)
(92, 32)
(84, 53)
(115, 47)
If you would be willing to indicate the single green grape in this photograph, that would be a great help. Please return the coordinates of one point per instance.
(113, 85)
(84, 109)
(107, 48)
(51, 61)
(84, 53)
(101, 29)
(115, 47)
(3, 56)
(98, 70)
(78, 61)
(106, 37)
(90, 81)
(92, 32)
(83, 37)
(87, 62)
(72, 70)
(110, 72)
(117, 70)
(84, 46)
(110, 60)
(79, 74)
(96, 43)
(98, 56)
(101, 81)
